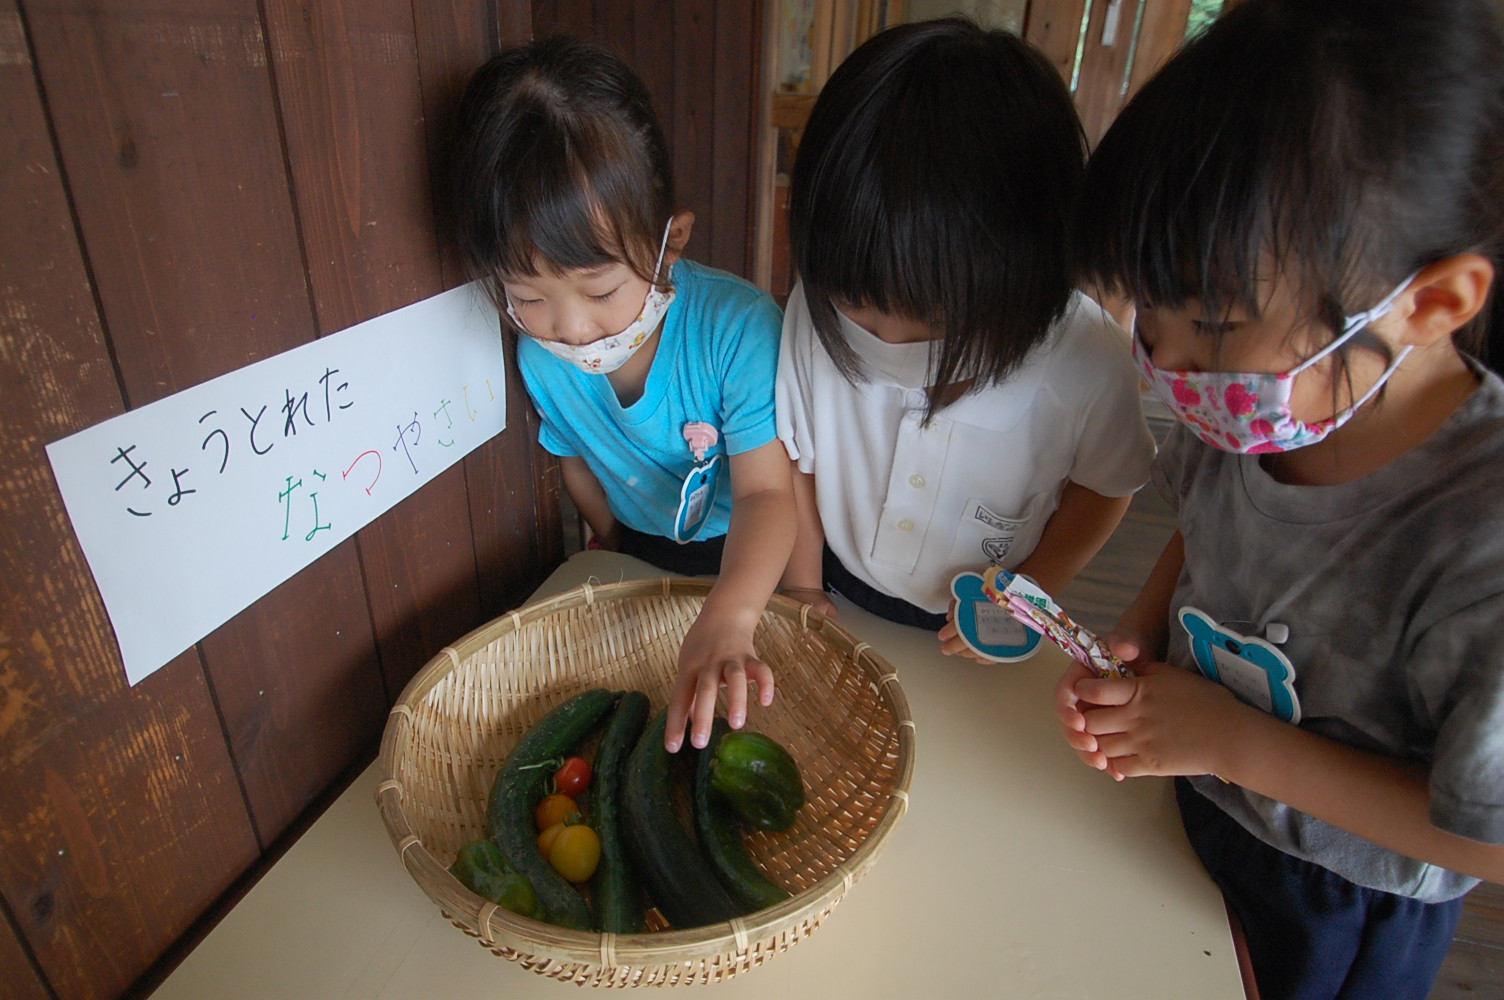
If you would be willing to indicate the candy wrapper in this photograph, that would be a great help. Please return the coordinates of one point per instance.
(1039, 611)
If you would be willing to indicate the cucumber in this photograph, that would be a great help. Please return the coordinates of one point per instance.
(520, 784)
(721, 837)
(679, 879)
(618, 896)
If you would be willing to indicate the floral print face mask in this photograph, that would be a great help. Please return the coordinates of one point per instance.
(1249, 412)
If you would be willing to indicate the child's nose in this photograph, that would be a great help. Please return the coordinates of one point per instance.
(575, 326)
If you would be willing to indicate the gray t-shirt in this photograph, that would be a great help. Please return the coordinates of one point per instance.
(1392, 590)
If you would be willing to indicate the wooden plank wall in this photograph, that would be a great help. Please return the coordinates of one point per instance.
(701, 59)
(190, 186)
(1147, 33)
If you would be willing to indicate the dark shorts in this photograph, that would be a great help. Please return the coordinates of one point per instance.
(1312, 933)
(697, 558)
(838, 580)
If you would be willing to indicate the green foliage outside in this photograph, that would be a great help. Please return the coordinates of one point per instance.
(1203, 13)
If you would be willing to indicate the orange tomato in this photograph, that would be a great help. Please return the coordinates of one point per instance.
(556, 808)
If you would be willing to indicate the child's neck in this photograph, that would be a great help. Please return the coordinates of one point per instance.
(1423, 392)
(631, 379)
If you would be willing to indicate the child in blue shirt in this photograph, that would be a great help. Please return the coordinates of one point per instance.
(653, 375)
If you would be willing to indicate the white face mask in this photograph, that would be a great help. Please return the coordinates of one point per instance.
(907, 365)
(604, 356)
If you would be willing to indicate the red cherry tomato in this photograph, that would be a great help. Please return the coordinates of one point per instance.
(573, 777)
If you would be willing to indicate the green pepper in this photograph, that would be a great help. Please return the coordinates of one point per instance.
(758, 779)
(482, 868)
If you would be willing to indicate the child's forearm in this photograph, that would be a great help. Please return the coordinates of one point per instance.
(718, 649)
(1378, 798)
(1075, 532)
(758, 542)
(805, 567)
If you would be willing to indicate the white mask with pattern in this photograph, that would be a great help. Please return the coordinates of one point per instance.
(604, 356)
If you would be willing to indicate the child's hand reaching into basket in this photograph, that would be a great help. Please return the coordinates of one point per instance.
(717, 653)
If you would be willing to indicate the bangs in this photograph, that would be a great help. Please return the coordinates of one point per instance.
(1247, 159)
(933, 182)
(563, 202)
(558, 165)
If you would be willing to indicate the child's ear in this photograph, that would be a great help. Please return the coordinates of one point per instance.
(678, 232)
(1445, 295)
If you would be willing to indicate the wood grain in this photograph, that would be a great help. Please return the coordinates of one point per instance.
(351, 103)
(124, 815)
(192, 186)
(16, 971)
(1055, 27)
(1162, 34)
(735, 135)
(693, 116)
(1099, 87)
(511, 494)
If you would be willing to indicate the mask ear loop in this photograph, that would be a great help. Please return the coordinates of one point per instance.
(1350, 327)
(1356, 322)
(662, 250)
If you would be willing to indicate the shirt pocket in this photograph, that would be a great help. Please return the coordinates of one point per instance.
(987, 535)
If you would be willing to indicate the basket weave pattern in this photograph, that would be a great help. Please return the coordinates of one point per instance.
(839, 711)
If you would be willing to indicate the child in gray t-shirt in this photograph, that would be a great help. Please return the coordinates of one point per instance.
(1307, 207)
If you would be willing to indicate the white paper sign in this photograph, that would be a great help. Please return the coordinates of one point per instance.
(192, 508)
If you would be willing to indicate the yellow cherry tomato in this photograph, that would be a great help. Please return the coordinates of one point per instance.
(574, 852)
(547, 837)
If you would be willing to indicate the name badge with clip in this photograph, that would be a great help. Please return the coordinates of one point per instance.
(697, 495)
(1258, 673)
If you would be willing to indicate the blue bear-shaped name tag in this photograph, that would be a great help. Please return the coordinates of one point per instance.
(696, 497)
(1251, 668)
(987, 628)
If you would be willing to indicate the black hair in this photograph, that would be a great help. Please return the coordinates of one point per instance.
(559, 162)
(1348, 143)
(934, 181)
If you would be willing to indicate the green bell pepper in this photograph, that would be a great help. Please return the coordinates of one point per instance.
(482, 868)
(758, 779)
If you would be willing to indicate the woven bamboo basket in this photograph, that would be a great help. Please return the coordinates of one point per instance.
(839, 711)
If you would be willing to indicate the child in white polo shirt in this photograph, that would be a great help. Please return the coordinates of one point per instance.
(948, 398)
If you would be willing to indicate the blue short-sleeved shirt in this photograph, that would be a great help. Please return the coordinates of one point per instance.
(716, 362)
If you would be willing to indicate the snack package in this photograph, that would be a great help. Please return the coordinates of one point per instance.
(1030, 606)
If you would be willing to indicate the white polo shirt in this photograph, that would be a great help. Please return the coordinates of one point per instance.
(906, 507)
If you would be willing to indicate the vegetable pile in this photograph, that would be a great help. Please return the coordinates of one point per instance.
(592, 844)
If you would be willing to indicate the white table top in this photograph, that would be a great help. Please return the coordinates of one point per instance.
(1017, 872)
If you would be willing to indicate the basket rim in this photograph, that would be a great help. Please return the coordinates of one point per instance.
(498, 928)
